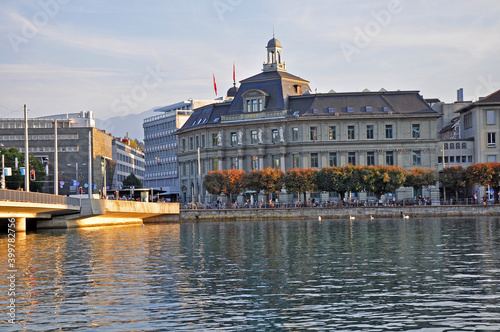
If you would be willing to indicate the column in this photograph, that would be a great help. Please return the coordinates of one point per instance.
(21, 224)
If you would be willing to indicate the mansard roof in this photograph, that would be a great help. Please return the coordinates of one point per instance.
(279, 85)
(359, 103)
(209, 114)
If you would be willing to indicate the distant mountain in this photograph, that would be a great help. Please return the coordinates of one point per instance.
(119, 126)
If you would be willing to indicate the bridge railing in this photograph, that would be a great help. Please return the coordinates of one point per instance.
(30, 197)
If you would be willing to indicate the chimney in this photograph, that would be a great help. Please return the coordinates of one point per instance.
(460, 95)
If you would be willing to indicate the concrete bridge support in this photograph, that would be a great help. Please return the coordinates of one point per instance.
(20, 224)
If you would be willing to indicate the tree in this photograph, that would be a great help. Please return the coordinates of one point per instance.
(453, 178)
(253, 180)
(132, 180)
(420, 177)
(340, 179)
(213, 182)
(382, 180)
(233, 182)
(272, 180)
(16, 180)
(301, 180)
(485, 174)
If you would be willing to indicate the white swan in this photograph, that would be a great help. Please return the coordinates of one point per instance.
(371, 217)
(351, 217)
(405, 216)
(319, 218)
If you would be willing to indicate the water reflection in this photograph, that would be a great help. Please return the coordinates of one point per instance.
(439, 274)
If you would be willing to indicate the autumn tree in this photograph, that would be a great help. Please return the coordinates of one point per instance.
(453, 178)
(213, 182)
(340, 179)
(420, 177)
(16, 180)
(233, 182)
(301, 180)
(253, 181)
(382, 180)
(485, 174)
(271, 180)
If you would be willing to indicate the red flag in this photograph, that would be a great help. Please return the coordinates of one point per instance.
(234, 74)
(215, 85)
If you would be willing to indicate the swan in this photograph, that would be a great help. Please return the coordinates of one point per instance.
(371, 217)
(319, 218)
(351, 217)
(405, 216)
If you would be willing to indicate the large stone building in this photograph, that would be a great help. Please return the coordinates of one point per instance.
(73, 131)
(275, 121)
(161, 146)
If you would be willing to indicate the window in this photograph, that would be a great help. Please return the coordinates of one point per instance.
(440, 160)
(417, 158)
(332, 133)
(183, 144)
(457, 146)
(464, 159)
(415, 128)
(234, 162)
(350, 109)
(203, 141)
(468, 120)
(452, 146)
(351, 158)
(253, 137)
(274, 136)
(350, 132)
(313, 131)
(255, 163)
(215, 140)
(389, 158)
(492, 139)
(445, 146)
(464, 145)
(254, 105)
(276, 162)
(388, 131)
(370, 158)
(295, 160)
(369, 132)
(333, 159)
(492, 158)
(215, 164)
(234, 139)
(369, 108)
(191, 146)
(490, 117)
(452, 159)
(295, 134)
(469, 159)
(314, 160)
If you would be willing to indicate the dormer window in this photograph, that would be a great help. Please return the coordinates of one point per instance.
(254, 101)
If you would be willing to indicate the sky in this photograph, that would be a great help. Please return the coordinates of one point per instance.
(121, 57)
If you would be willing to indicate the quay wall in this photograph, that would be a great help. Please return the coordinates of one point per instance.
(338, 213)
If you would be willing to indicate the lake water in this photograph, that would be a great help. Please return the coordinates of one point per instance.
(432, 274)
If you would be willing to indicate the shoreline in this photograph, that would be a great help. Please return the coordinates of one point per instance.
(249, 214)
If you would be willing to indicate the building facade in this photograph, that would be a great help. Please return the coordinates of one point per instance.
(275, 121)
(161, 146)
(128, 160)
(73, 146)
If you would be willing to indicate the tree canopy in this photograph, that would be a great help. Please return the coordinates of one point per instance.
(16, 180)
(132, 180)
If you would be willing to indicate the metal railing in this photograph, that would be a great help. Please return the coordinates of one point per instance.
(31, 197)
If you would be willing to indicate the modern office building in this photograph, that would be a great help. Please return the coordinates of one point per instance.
(128, 160)
(73, 146)
(161, 146)
(276, 121)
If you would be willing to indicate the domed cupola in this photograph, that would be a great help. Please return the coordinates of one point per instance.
(232, 91)
(274, 59)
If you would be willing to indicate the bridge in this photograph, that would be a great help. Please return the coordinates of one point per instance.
(54, 211)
